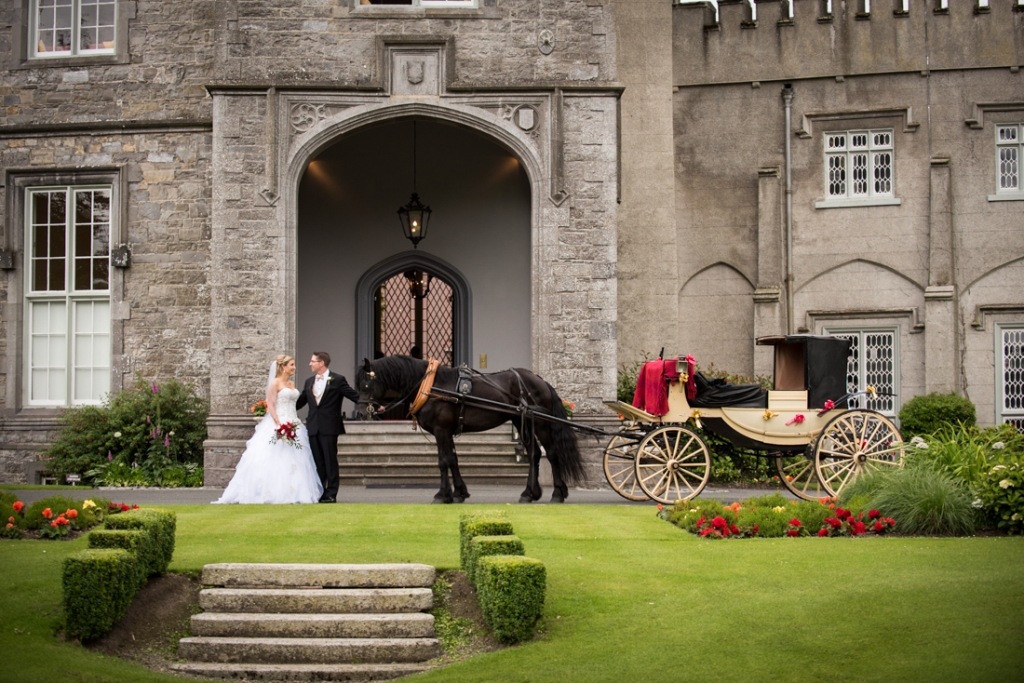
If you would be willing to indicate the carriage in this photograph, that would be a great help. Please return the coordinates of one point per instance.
(819, 438)
(808, 424)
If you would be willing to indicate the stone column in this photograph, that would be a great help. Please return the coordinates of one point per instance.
(941, 332)
(769, 310)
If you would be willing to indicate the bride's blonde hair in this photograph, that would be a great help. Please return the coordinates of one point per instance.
(282, 361)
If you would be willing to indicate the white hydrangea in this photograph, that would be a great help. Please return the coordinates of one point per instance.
(917, 440)
(976, 503)
(1005, 484)
(922, 445)
(998, 446)
(998, 467)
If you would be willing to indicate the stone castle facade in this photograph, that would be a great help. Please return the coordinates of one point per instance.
(669, 205)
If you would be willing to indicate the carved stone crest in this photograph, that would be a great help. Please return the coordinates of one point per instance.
(305, 116)
(546, 41)
(414, 72)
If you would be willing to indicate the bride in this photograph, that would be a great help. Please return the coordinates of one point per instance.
(272, 470)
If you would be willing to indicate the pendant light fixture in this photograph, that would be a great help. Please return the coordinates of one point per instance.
(415, 215)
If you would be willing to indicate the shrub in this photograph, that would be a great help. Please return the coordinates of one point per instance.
(161, 526)
(138, 542)
(1001, 493)
(154, 426)
(966, 453)
(480, 524)
(483, 546)
(511, 592)
(98, 587)
(925, 414)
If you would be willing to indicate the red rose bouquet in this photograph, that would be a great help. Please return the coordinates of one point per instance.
(287, 432)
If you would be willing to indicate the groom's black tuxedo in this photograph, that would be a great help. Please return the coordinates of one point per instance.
(324, 422)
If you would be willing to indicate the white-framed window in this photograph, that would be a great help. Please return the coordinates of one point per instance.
(873, 361)
(1009, 150)
(67, 294)
(72, 28)
(859, 165)
(421, 3)
(1010, 374)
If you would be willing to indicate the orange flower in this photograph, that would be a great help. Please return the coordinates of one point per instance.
(72, 513)
(18, 506)
(48, 513)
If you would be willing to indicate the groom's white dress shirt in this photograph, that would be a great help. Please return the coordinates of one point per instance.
(319, 384)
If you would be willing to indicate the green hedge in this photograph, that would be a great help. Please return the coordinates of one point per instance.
(483, 546)
(480, 524)
(139, 542)
(511, 593)
(160, 524)
(923, 415)
(98, 586)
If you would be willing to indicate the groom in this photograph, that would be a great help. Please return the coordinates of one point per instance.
(323, 392)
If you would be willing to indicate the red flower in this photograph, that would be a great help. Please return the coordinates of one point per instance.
(874, 514)
(857, 528)
(124, 507)
(18, 506)
(719, 523)
(795, 522)
(135, 507)
(843, 514)
(48, 513)
(10, 526)
(660, 507)
(830, 404)
(700, 522)
(797, 419)
(53, 523)
(11, 520)
(755, 529)
(823, 532)
(793, 532)
(833, 522)
(707, 531)
(72, 513)
(733, 528)
(879, 527)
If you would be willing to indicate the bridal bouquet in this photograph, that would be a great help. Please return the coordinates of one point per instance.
(287, 432)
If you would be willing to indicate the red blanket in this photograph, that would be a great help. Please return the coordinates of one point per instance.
(651, 392)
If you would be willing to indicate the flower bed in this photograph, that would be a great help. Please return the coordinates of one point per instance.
(54, 518)
(773, 516)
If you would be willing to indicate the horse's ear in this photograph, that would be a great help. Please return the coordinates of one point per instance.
(366, 365)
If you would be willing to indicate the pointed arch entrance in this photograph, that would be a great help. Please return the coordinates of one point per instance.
(444, 322)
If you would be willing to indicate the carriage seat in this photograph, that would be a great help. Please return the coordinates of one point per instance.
(717, 393)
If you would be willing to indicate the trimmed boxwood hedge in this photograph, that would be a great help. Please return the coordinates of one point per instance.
(136, 541)
(98, 585)
(511, 593)
(483, 546)
(160, 524)
(480, 524)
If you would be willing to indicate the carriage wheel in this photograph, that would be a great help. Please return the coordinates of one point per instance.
(672, 464)
(856, 441)
(619, 467)
(799, 476)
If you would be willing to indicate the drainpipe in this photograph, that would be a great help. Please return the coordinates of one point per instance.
(787, 101)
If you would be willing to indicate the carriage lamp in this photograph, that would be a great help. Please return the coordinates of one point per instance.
(414, 216)
(419, 283)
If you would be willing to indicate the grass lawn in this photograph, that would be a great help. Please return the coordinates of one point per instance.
(630, 597)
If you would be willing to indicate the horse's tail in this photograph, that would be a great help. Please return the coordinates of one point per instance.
(566, 450)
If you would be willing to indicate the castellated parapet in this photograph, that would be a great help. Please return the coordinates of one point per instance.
(814, 43)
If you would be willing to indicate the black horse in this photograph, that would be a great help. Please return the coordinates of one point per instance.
(399, 377)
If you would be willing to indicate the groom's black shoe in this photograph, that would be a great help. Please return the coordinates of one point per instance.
(327, 500)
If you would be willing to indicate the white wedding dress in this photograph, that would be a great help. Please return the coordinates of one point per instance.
(275, 472)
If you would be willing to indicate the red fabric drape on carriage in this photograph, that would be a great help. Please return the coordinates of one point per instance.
(652, 384)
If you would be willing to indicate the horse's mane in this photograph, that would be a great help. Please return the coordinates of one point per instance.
(403, 373)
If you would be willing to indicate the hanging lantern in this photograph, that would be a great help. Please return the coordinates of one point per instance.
(415, 215)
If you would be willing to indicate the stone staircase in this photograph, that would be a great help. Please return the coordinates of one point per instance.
(312, 622)
(393, 454)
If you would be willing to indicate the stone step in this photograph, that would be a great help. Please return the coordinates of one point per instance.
(479, 450)
(250, 575)
(316, 601)
(214, 624)
(308, 650)
(300, 672)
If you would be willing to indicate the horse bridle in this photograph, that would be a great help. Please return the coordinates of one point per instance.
(371, 411)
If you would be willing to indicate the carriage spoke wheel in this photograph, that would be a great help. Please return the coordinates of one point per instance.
(619, 467)
(797, 473)
(672, 463)
(855, 442)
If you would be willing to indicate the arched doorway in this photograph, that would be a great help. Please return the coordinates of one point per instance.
(387, 315)
(480, 239)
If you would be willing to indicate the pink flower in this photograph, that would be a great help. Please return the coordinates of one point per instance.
(10, 526)
(156, 389)
(797, 419)
(830, 404)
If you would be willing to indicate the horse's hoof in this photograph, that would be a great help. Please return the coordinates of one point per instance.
(459, 499)
(557, 499)
(441, 500)
(525, 499)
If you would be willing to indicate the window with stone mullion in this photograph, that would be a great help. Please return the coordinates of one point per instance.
(67, 299)
(859, 164)
(1008, 154)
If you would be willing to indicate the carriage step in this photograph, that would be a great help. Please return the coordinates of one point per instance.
(316, 601)
(300, 672)
(411, 625)
(251, 575)
(309, 650)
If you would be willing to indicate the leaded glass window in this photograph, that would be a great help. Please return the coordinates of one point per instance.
(874, 362)
(1010, 375)
(859, 164)
(1009, 144)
